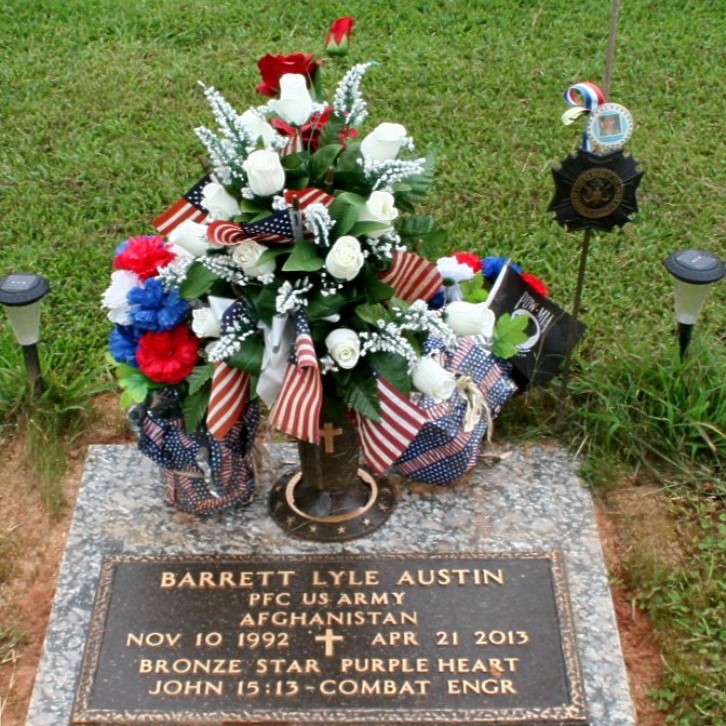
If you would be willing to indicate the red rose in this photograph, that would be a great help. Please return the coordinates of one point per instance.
(336, 41)
(168, 357)
(144, 256)
(272, 67)
(535, 283)
(470, 259)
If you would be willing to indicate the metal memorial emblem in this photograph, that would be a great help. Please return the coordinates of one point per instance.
(594, 191)
(460, 638)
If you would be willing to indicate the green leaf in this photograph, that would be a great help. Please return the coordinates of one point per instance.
(198, 281)
(361, 228)
(416, 227)
(199, 376)
(193, 408)
(252, 207)
(375, 289)
(249, 356)
(297, 164)
(134, 384)
(321, 306)
(373, 313)
(263, 300)
(509, 332)
(323, 159)
(361, 395)
(473, 290)
(345, 210)
(303, 258)
(394, 369)
(272, 253)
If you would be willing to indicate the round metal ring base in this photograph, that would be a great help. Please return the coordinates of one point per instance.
(331, 515)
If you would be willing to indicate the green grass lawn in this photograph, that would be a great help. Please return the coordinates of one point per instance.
(99, 102)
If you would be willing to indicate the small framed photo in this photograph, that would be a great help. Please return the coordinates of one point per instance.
(609, 128)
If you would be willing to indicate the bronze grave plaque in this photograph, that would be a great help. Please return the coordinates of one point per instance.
(434, 638)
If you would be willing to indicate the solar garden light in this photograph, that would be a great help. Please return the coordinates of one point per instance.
(694, 272)
(20, 295)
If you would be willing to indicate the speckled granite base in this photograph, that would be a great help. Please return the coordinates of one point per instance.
(533, 500)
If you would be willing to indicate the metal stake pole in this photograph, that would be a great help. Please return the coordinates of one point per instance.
(607, 80)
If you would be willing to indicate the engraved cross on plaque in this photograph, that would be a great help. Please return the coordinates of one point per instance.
(330, 640)
(329, 433)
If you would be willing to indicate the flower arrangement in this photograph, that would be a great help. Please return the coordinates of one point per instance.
(287, 273)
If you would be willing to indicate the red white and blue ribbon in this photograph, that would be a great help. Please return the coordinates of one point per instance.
(227, 400)
(297, 409)
(382, 442)
(584, 97)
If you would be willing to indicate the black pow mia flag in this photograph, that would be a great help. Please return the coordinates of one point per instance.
(552, 332)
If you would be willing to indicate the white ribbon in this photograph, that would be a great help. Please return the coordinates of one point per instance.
(476, 405)
(279, 340)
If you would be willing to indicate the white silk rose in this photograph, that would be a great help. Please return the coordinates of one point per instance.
(295, 105)
(379, 208)
(343, 344)
(219, 202)
(247, 255)
(265, 175)
(466, 318)
(431, 378)
(256, 126)
(205, 323)
(384, 142)
(191, 237)
(345, 258)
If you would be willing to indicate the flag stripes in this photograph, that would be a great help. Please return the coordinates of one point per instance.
(227, 400)
(309, 196)
(297, 409)
(384, 441)
(412, 277)
(189, 207)
(225, 233)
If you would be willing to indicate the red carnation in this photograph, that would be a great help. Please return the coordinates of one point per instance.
(470, 259)
(144, 256)
(535, 283)
(169, 356)
(336, 41)
(273, 67)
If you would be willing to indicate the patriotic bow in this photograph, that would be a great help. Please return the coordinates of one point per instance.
(583, 97)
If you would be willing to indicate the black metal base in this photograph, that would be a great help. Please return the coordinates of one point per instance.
(331, 515)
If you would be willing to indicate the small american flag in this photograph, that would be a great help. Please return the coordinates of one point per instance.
(384, 441)
(412, 277)
(275, 229)
(227, 400)
(188, 207)
(297, 409)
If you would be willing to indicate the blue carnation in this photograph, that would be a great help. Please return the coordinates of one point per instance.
(123, 341)
(152, 308)
(438, 300)
(492, 266)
